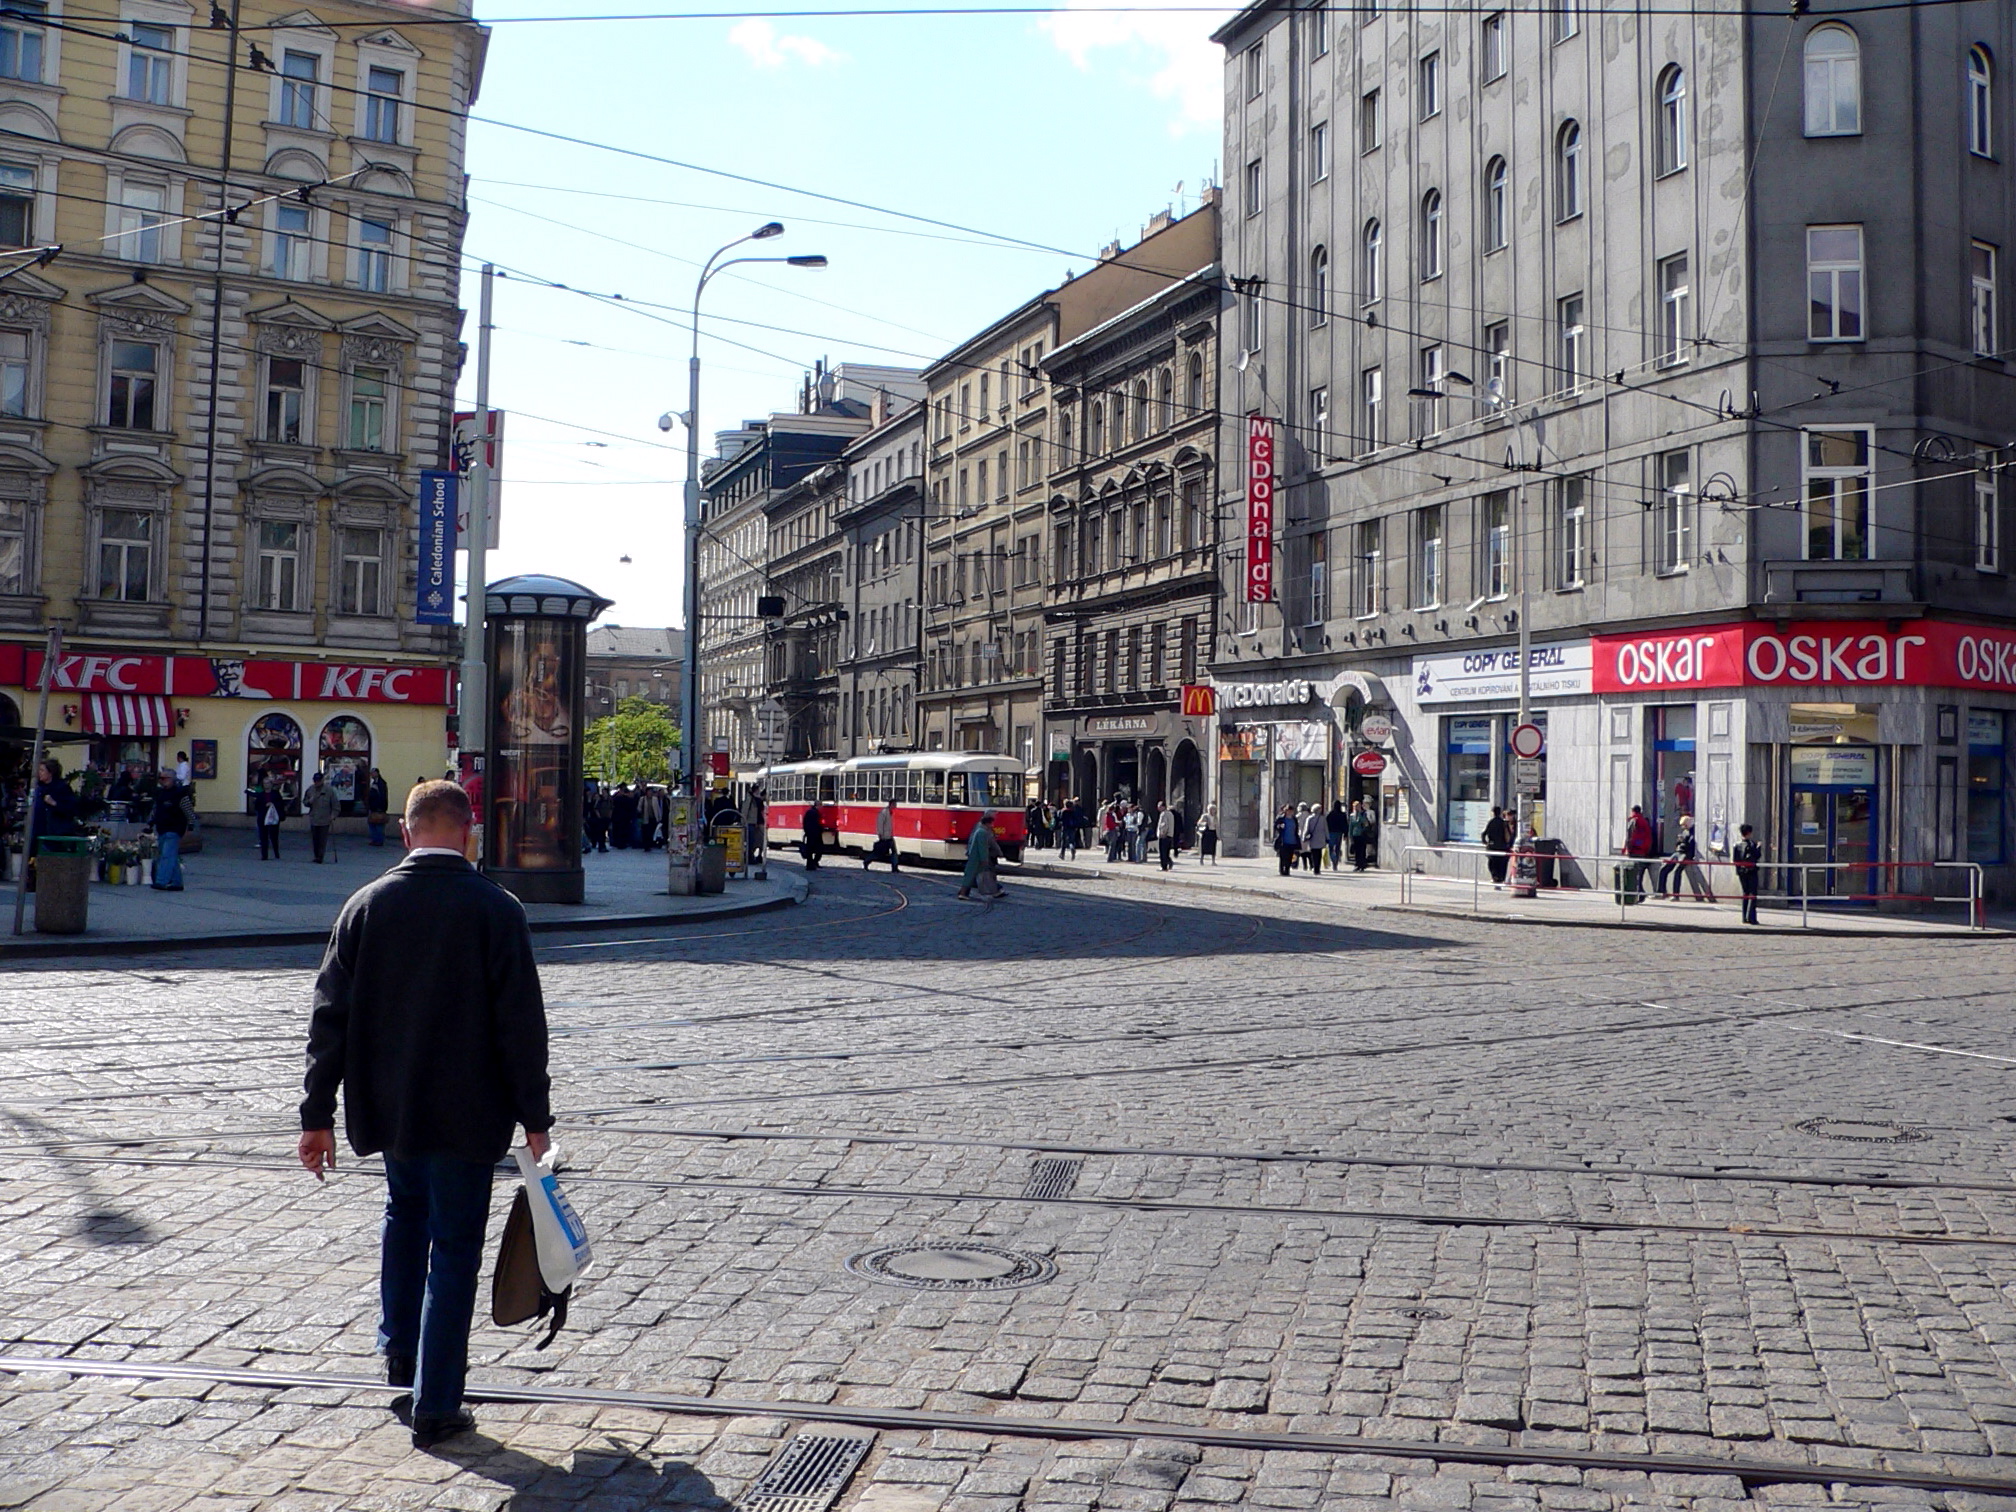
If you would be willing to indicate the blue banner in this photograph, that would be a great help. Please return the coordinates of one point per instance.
(436, 605)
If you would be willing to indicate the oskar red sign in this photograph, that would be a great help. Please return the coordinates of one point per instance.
(226, 677)
(1822, 653)
(1259, 509)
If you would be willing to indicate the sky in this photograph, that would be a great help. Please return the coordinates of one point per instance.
(1067, 130)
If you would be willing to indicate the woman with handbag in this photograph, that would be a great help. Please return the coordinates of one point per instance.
(377, 803)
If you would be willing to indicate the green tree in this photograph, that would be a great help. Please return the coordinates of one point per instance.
(630, 745)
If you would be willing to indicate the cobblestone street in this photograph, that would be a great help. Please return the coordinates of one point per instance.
(1550, 1216)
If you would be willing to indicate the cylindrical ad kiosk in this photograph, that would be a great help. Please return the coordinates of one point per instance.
(536, 645)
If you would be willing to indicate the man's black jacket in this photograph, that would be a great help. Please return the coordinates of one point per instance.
(428, 1012)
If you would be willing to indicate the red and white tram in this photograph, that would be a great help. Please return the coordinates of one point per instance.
(939, 795)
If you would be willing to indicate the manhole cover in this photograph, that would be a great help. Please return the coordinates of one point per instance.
(1859, 1130)
(950, 1266)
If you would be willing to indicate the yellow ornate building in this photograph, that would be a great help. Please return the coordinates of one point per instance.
(229, 336)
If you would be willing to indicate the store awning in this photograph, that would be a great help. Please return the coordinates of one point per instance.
(124, 714)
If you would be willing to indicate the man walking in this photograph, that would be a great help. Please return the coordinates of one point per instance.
(983, 855)
(813, 845)
(1638, 846)
(428, 1014)
(1746, 855)
(885, 838)
(321, 814)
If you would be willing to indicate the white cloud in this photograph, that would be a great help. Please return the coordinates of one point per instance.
(1183, 64)
(768, 48)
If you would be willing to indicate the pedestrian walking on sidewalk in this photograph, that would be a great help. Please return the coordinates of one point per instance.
(1207, 835)
(1165, 835)
(1137, 823)
(377, 807)
(1364, 835)
(1686, 859)
(885, 838)
(1287, 838)
(171, 823)
(321, 804)
(269, 808)
(1746, 855)
(1336, 826)
(1069, 818)
(1638, 846)
(1314, 837)
(813, 835)
(1498, 842)
(428, 1016)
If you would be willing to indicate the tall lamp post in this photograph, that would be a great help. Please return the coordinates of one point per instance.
(682, 877)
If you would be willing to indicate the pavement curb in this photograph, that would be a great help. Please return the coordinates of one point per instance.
(31, 948)
(1160, 878)
(1681, 926)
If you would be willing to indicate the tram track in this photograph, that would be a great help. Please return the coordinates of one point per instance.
(1750, 1471)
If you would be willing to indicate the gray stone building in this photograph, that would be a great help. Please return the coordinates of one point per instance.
(802, 646)
(632, 661)
(1677, 336)
(1131, 598)
(881, 529)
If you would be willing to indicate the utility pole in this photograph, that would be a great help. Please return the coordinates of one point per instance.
(1523, 559)
(49, 657)
(475, 700)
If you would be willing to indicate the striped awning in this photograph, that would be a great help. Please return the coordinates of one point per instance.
(125, 714)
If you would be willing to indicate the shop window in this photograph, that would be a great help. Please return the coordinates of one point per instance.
(1466, 778)
(346, 758)
(1986, 784)
(1673, 770)
(273, 749)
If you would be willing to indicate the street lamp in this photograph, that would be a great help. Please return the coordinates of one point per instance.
(681, 877)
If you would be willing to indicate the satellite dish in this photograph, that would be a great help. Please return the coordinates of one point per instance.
(1244, 358)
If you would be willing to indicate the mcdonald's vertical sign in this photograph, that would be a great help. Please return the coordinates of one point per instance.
(1259, 509)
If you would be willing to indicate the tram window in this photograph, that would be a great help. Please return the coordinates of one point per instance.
(934, 787)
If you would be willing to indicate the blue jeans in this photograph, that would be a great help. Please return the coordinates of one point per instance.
(377, 828)
(435, 1211)
(168, 865)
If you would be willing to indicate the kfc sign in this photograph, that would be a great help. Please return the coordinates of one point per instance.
(98, 672)
(1816, 654)
(227, 677)
(1259, 509)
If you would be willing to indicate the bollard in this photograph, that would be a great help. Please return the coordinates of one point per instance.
(1525, 869)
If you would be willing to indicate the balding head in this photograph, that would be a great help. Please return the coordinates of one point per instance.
(437, 814)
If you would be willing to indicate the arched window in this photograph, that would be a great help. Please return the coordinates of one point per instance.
(346, 759)
(1431, 235)
(1980, 102)
(1497, 228)
(1568, 172)
(1144, 417)
(273, 749)
(1095, 431)
(1165, 397)
(1833, 82)
(1064, 440)
(1193, 398)
(1319, 287)
(1372, 256)
(1672, 137)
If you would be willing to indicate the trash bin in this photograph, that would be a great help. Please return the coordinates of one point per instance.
(710, 869)
(62, 884)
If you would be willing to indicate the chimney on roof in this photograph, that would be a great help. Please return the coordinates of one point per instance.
(1161, 220)
(1110, 251)
(878, 407)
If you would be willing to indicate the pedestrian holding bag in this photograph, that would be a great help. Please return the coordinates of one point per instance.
(543, 1252)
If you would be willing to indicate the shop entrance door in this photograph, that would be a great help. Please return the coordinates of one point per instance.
(1835, 828)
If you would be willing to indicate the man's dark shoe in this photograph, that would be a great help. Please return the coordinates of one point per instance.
(398, 1370)
(430, 1428)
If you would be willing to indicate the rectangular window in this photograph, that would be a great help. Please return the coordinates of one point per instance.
(1319, 152)
(142, 209)
(1673, 306)
(15, 347)
(1187, 652)
(1319, 578)
(1981, 268)
(17, 206)
(1255, 187)
(1571, 532)
(1428, 397)
(279, 565)
(150, 63)
(1567, 19)
(1987, 515)
(1574, 355)
(1249, 340)
(1256, 71)
(1987, 782)
(125, 555)
(1370, 121)
(374, 256)
(1319, 420)
(1498, 362)
(1429, 84)
(21, 39)
(360, 571)
(1676, 511)
(368, 388)
(1371, 408)
(1428, 557)
(131, 402)
(298, 73)
(14, 547)
(1838, 474)
(286, 389)
(1492, 47)
(1834, 283)
(1319, 33)
(1495, 518)
(383, 87)
(1370, 565)
(291, 227)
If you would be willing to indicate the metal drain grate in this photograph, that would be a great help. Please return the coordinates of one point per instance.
(940, 1265)
(1053, 1178)
(808, 1474)
(1860, 1130)
(1424, 1314)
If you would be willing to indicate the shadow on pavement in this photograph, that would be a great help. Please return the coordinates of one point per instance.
(612, 1477)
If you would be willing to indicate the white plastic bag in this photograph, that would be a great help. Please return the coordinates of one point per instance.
(556, 1229)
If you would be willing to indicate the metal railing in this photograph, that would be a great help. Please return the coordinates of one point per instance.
(1633, 879)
